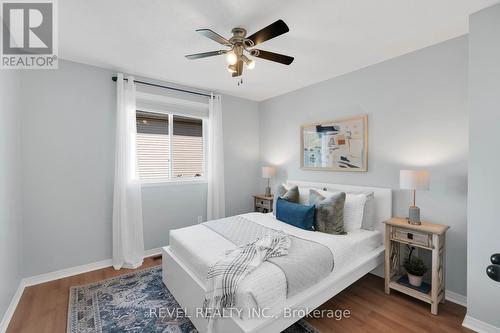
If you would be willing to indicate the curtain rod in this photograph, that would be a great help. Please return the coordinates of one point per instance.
(114, 78)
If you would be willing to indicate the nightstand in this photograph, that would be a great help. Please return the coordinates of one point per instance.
(263, 203)
(428, 236)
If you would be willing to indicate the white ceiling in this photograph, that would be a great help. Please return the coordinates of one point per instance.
(327, 38)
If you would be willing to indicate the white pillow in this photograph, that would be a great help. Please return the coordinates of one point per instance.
(368, 222)
(304, 195)
(369, 213)
(353, 209)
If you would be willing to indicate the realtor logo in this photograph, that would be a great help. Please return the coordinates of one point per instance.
(29, 39)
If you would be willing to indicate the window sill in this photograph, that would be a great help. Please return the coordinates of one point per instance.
(168, 182)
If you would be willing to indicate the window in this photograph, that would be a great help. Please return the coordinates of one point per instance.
(169, 147)
(187, 147)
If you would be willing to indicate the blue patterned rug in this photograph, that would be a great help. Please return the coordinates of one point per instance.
(124, 303)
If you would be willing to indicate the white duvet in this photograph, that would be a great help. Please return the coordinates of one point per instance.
(199, 247)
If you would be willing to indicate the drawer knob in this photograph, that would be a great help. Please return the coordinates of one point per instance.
(493, 271)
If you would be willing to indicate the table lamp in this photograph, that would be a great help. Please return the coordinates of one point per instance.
(268, 172)
(414, 180)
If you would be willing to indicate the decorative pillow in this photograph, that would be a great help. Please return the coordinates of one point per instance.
(329, 216)
(304, 195)
(353, 209)
(295, 214)
(291, 194)
(369, 217)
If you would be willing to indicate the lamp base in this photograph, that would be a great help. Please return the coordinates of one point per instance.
(414, 215)
(268, 191)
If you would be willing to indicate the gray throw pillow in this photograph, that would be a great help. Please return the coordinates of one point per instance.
(329, 216)
(291, 195)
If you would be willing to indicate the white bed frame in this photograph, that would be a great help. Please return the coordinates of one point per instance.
(189, 291)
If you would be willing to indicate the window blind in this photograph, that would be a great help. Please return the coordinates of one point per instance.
(187, 146)
(152, 145)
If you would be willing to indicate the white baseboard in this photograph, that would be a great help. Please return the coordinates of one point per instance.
(12, 307)
(456, 298)
(42, 278)
(152, 252)
(479, 326)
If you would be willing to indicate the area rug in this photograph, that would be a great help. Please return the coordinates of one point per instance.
(135, 302)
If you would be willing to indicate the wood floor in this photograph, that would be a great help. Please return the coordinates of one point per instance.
(43, 308)
(374, 311)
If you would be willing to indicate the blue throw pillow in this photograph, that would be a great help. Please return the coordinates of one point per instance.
(300, 216)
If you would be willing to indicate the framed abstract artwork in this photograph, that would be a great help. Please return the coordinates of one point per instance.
(339, 145)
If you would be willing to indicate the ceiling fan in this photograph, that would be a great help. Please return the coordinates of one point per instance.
(239, 45)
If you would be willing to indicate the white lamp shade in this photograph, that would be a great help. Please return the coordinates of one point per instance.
(268, 172)
(414, 179)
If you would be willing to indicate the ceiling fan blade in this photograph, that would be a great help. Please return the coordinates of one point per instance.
(273, 30)
(214, 36)
(205, 54)
(239, 69)
(281, 58)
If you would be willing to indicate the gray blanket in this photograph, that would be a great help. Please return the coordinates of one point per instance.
(307, 262)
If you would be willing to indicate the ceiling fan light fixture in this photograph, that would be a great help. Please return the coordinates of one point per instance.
(231, 58)
(249, 62)
(231, 69)
(239, 45)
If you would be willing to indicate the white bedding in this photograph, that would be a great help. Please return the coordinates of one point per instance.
(199, 247)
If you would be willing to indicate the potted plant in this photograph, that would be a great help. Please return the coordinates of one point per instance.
(415, 268)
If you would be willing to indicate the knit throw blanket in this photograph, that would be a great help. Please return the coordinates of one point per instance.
(224, 276)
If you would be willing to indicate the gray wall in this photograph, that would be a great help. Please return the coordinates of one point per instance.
(417, 118)
(10, 184)
(241, 153)
(483, 302)
(68, 159)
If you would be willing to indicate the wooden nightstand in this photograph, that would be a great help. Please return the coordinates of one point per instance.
(263, 204)
(428, 236)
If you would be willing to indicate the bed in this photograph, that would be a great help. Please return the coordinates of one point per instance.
(192, 250)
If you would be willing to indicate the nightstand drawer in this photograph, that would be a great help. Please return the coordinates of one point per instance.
(263, 203)
(411, 236)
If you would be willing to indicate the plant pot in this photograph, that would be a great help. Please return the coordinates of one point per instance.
(415, 280)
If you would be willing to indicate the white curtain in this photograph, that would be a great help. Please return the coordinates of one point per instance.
(128, 242)
(216, 203)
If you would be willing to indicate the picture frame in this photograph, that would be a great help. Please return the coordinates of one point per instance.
(336, 145)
